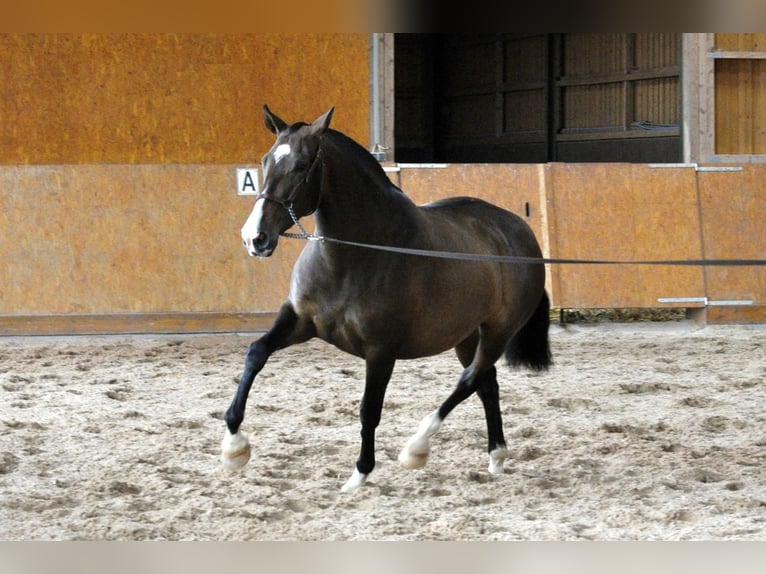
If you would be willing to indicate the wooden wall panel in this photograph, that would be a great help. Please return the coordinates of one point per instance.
(740, 95)
(118, 204)
(740, 42)
(516, 187)
(623, 212)
(740, 106)
(519, 188)
(615, 80)
(109, 248)
(733, 214)
(171, 98)
(123, 239)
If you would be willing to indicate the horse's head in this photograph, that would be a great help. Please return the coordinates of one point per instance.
(291, 182)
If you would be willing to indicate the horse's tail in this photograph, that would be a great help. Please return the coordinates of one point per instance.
(530, 346)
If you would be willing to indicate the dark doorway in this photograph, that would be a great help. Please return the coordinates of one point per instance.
(527, 98)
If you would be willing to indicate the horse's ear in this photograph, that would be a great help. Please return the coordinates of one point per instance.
(321, 124)
(273, 122)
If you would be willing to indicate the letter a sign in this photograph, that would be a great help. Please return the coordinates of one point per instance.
(247, 181)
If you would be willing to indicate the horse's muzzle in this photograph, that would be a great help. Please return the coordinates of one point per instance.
(259, 246)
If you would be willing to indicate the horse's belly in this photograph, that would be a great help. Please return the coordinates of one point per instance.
(361, 333)
(339, 329)
(342, 338)
(431, 336)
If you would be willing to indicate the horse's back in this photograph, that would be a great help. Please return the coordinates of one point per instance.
(478, 219)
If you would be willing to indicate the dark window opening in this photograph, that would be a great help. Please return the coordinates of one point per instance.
(574, 97)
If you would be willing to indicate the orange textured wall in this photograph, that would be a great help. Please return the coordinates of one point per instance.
(515, 187)
(733, 214)
(623, 212)
(119, 241)
(170, 98)
(117, 171)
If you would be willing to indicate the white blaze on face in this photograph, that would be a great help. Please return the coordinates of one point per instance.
(253, 225)
(281, 151)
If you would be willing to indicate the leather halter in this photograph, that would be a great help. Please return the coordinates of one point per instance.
(288, 203)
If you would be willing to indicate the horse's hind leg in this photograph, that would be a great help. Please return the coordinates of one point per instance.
(415, 452)
(288, 329)
(479, 376)
(489, 393)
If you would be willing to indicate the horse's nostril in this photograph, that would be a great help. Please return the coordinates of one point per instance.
(261, 240)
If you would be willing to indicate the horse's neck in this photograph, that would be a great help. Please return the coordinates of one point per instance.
(359, 205)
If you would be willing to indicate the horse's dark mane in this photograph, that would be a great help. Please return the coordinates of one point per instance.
(359, 156)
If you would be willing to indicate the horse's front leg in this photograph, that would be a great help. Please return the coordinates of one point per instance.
(378, 374)
(288, 329)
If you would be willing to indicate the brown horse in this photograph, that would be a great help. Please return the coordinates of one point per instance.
(381, 305)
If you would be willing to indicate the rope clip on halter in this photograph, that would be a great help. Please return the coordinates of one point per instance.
(303, 233)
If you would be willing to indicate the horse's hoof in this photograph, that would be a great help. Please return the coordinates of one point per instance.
(357, 480)
(497, 459)
(235, 451)
(412, 460)
(415, 452)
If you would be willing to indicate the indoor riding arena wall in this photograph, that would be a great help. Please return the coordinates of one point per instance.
(630, 212)
(156, 248)
(170, 98)
(118, 194)
(118, 202)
